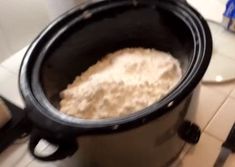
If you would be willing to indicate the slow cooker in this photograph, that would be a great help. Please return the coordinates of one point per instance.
(79, 38)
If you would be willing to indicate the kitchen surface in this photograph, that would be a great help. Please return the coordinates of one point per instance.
(215, 112)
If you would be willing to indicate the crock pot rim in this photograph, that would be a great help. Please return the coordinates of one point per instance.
(200, 70)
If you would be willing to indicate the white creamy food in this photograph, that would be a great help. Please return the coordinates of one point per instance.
(122, 83)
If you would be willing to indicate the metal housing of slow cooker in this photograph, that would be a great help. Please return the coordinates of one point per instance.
(78, 39)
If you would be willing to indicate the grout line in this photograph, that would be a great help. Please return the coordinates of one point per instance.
(26, 151)
(207, 132)
(8, 70)
(188, 148)
(224, 93)
(228, 83)
(213, 136)
(8, 73)
(233, 88)
(31, 161)
(211, 119)
(230, 93)
(22, 156)
(192, 147)
(226, 56)
(232, 97)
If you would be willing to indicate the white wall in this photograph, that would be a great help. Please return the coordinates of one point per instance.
(57, 7)
(204, 6)
(20, 22)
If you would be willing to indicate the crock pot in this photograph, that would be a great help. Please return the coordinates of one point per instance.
(76, 40)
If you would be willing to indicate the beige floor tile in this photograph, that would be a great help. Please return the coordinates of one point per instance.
(4, 73)
(204, 154)
(225, 88)
(221, 124)
(232, 94)
(13, 63)
(37, 163)
(209, 102)
(16, 155)
(71, 161)
(68, 162)
(178, 162)
(9, 87)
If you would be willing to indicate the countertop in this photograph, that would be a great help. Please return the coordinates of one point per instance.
(214, 114)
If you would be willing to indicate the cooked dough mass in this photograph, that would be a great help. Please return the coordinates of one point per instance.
(122, 83)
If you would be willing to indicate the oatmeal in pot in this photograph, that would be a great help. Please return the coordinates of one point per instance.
(122, 83)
